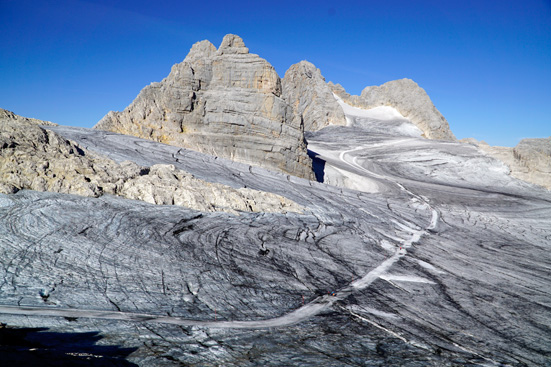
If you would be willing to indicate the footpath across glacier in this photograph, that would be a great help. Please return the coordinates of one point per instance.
(445, 262)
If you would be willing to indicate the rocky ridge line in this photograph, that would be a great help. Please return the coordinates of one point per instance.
(224, 102)
(37, 159)
(5, 114)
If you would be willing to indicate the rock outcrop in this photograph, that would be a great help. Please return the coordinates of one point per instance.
(306, 90)
(5, 114)
(409, 99)
(166, 185)
(529, 161)
(37, 159)
(224, 102)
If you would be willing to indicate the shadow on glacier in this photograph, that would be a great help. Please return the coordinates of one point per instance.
(39, 347)
(318, 166)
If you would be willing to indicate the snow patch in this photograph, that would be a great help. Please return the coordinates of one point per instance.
(378, 113)
(429, 267)
(406, 278)
(388, 246)
(372, 311)
(342, 178)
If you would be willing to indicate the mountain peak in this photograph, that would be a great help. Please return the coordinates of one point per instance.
(201, 49)
(232, 44)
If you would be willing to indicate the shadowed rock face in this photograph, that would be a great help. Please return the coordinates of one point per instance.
(305, 89)
(409, 99)
(224, 102)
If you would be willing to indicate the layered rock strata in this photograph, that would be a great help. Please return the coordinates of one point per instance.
(311, 98)
(224, 102)
(529, 161)
(409, 99)
(37, 159)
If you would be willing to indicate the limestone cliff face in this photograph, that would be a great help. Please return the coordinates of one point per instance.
(37, 159)
(225, 102)
(409, 99)
(529, 161)
(311, 98)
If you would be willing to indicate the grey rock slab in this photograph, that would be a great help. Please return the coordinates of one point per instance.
(426, 271)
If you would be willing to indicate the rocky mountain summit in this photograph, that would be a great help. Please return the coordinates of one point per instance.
(312, 98)
(230, 103)
(226, 102)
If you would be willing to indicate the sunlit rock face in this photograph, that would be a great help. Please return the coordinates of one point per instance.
(311, 98)
(9, 115)
(535, 155)
(224, 102)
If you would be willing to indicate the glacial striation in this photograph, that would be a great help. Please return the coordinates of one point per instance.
(306, 90)
(419, 252)
(38, 159)
(443, 264)
(409, 99)
(225, 102)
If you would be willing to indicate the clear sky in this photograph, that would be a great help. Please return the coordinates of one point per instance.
(485, 64)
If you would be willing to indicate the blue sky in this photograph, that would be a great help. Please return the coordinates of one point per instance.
(485, 64)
